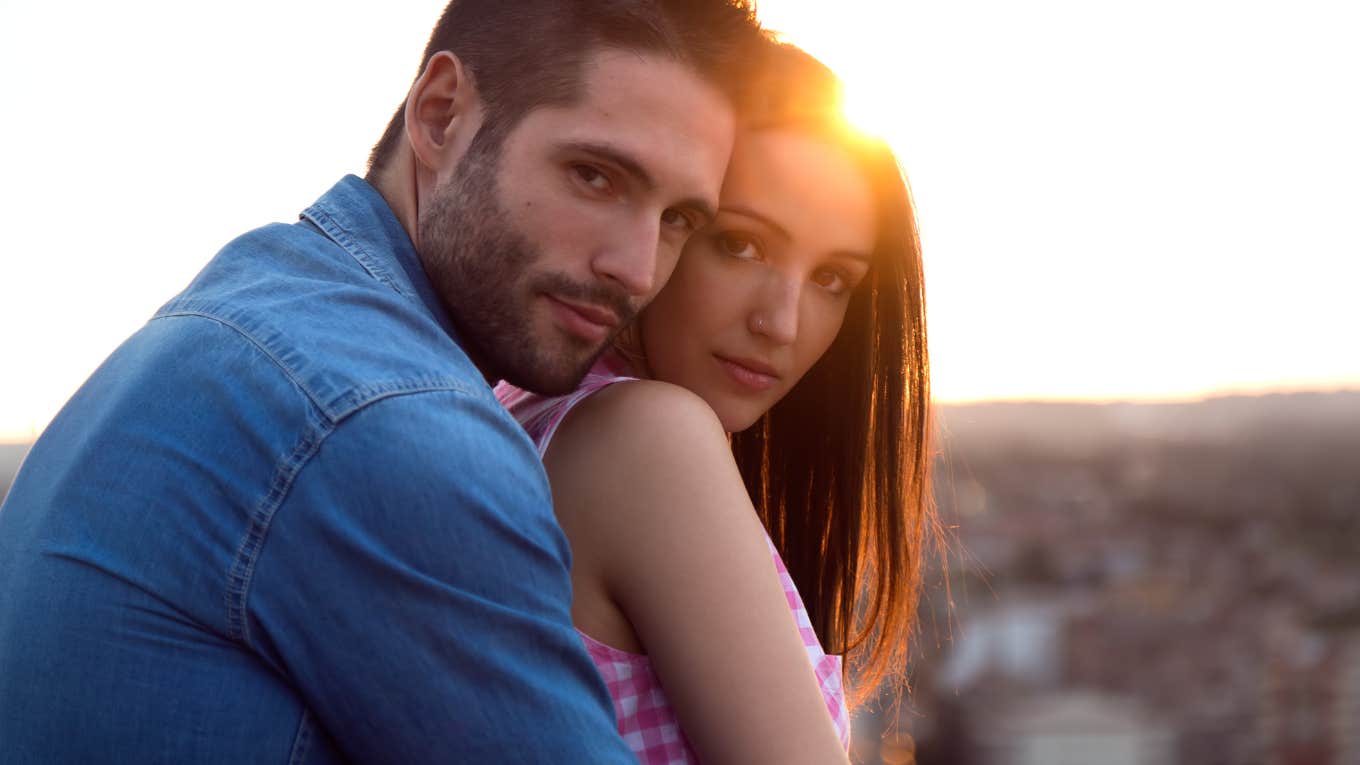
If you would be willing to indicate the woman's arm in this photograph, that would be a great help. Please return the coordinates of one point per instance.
(652, 502)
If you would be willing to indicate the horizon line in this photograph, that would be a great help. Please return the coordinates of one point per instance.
(12, 439)
(1196, 397)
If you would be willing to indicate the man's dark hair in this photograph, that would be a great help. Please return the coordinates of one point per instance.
(524, 54)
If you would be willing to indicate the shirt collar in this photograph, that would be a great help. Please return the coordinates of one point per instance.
(356, 217)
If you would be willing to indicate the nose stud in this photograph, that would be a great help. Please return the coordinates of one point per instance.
(758, 324)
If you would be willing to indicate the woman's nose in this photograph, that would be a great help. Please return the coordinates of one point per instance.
(775, 314)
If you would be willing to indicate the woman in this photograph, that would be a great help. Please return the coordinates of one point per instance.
(781, 415)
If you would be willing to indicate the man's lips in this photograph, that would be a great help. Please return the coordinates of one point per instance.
(753, 374)
(586, 320)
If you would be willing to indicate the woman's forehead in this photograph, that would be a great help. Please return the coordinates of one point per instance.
(806, 183)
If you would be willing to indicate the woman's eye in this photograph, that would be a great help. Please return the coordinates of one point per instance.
(736, 246)
(592, 177)
(831, 280)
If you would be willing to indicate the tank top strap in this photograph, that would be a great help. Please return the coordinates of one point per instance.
(540, 416)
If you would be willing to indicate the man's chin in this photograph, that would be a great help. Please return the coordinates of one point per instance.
(550, 378)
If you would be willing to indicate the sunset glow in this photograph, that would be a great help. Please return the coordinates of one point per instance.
(1140, 200)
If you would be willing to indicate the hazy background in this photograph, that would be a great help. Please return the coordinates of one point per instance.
(1149, 202)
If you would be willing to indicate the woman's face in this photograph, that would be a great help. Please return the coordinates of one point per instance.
(758, 296)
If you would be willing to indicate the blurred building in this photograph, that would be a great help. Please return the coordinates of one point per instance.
(1176, 584)
(1077, 728)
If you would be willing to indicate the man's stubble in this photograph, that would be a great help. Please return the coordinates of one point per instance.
(481, 266)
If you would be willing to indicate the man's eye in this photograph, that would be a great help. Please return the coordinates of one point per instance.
(677, 219)
(592, 177)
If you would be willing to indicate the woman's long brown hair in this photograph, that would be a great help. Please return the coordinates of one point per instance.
(839, 469)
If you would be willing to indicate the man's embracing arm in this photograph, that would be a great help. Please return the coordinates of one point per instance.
(414, 587)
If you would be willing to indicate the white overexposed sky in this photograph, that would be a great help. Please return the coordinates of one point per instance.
(1118, 199)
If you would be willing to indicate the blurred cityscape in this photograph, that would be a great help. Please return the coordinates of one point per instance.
(1134, 584)
(10, 457)
(1164, 583)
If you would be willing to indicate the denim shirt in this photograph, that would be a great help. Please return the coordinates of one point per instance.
(287, 522)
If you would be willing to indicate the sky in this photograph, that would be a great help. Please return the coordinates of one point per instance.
(1118, 200)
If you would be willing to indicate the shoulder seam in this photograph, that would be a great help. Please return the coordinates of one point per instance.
(354, 398)
(238, 329)
(242, 571)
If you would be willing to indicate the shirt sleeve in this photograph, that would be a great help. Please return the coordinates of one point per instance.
(414, 586)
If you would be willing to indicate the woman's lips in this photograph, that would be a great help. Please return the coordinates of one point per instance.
(749, 374)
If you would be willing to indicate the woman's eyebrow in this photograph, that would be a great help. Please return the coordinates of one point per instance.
(863, 257)
(763, 219)
(780, 231)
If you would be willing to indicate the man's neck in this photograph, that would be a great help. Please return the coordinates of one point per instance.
(397, 184)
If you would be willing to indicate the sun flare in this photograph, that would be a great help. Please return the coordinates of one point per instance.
(867, 111)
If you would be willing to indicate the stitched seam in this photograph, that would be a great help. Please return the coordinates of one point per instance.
(303, 741)
(251, 339)
(336, 231)
(241, 574)
(350, 403)
(248, 552)
(371, 394)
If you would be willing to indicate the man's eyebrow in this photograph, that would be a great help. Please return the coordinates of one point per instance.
(625, 162)
(615, 156)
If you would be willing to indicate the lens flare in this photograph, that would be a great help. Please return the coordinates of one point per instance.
(867, 111)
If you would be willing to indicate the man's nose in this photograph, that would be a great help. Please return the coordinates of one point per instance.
(775, 313)
(629, 258)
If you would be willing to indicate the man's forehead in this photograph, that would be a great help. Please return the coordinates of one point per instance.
(654, 110)
(634, 81)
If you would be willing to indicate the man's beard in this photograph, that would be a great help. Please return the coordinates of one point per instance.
(481, 267)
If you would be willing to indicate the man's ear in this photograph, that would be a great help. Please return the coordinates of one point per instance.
(443, 113)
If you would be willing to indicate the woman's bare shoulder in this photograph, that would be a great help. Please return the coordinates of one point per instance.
(662, 430)
(639, 466)
(658, 516)
(639, 406)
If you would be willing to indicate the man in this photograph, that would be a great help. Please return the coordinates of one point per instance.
(286, 521)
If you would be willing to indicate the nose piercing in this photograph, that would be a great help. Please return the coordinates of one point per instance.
(759, 324)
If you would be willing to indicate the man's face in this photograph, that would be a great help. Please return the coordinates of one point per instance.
(544, 247)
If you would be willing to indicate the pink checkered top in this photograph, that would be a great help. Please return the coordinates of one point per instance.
(645, 717)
